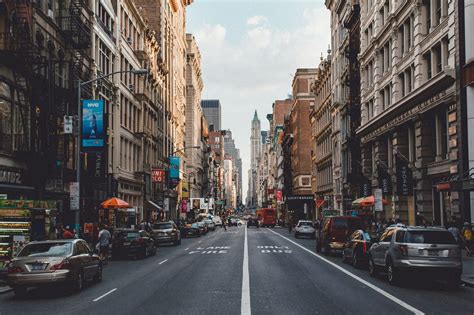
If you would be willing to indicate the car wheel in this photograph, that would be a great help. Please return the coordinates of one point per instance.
(393, 275)
(372, 268)
(20, 291)
(78, 282)
(98, 276)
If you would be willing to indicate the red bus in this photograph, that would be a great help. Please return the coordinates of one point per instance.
(267, 217)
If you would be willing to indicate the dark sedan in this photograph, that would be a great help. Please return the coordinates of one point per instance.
(190, 230)
(253, 222)
(356, 248)
(132, 243)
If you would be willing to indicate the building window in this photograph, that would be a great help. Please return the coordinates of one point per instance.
(428, 68)
(441, 136)
(427, 14)
(411, 144)
(104, 58)
(386, 96)
(438, 13)
(438, 61)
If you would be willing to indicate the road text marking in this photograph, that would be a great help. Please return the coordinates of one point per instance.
(368, 284)
(163, 261)
(104, 295)
(245, 302)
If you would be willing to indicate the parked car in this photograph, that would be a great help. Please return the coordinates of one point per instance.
(191, 230)
(217, 221)
(431, 250)
(305, 228)
(53, 262)
(356, 248)
(253, 222)
(210, 225)
(202, 227)
(335, 231)
(166, 232)
(133, 243)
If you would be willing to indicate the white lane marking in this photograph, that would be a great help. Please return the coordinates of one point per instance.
(163, 261)
(245, 308)
(103, 295)
(368, 284)
(199, 242)
(186, 249)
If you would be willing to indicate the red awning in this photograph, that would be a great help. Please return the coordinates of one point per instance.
(320, 203)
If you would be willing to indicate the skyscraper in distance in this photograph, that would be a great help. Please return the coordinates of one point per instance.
(212, 112)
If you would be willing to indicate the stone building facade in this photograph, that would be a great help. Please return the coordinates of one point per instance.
(194, 118)
(321, 138)
(410, 123)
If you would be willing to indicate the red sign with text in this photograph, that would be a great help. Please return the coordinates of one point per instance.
(157, 176)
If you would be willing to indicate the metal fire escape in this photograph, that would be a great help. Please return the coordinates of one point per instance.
(26, 57)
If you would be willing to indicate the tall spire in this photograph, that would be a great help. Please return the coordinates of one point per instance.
(255, 117)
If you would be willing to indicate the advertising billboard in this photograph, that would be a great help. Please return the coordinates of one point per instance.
(93, 133)
(174, 167)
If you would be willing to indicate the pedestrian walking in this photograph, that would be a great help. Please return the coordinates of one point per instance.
(104, 241)
(454, 231)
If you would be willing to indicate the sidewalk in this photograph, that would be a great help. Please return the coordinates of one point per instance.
(468, 270)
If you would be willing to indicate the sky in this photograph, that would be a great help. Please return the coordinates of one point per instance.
(250, 50)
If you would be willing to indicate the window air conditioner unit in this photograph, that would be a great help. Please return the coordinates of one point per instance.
(51, 14)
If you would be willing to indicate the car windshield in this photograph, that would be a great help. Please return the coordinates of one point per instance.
(430, 237)
(162, 226)
(306, 224)
(46, 250)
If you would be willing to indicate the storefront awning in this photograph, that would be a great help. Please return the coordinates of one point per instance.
(154, 205)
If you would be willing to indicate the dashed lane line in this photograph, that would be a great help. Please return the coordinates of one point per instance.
(163, 262)
(104, 295)
(350, 274)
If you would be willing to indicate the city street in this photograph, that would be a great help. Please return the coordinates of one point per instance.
(211, 274)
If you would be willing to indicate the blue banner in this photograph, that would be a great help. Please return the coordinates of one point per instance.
(174, 167)
(93, 134)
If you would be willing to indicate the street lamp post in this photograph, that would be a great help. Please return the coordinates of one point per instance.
(80, 84)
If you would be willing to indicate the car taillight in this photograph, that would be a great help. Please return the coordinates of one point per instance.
(14, 270)
(65, 264)
(365, 247)
(403, 250)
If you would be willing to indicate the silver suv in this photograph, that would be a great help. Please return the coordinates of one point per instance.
(423, 249)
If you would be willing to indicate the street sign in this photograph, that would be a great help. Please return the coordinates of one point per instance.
(378, 204)
(74, 195)
(68, 125)
(157, 175)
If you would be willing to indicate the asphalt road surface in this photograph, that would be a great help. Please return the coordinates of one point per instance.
(242, 271)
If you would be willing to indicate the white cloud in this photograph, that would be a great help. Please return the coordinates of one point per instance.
(257, 20)
(250, 73)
